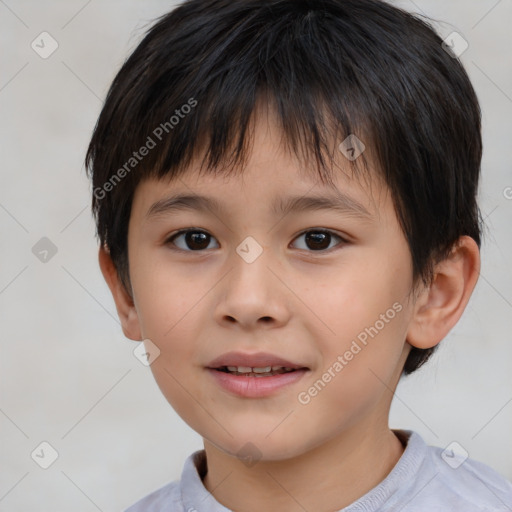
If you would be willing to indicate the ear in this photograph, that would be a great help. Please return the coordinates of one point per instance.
(439, 306)
(124, 302)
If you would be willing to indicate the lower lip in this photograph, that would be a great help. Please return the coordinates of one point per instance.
(255, 387)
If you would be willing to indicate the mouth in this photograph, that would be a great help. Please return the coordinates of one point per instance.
(254, 375)
(263, 371)
(258, 364)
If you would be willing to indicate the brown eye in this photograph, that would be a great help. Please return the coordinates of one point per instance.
(191, 240)
(318, 240)
(194, 240)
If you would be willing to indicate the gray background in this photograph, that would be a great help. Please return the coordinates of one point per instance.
(69, 377)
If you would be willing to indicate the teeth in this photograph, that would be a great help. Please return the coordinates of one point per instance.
(263, 369)
(266, 369)
(244, 369)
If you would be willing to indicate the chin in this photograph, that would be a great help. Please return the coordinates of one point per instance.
(253, 445)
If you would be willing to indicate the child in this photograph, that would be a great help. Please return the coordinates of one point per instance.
(267, 129)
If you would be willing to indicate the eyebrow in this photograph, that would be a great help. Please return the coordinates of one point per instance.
(340, 203)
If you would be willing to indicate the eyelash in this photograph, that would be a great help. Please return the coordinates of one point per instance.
(343, 241)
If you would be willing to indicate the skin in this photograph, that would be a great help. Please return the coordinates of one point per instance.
(299, 303)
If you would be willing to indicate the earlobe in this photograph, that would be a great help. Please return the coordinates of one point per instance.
(124, 302)
(439, 307)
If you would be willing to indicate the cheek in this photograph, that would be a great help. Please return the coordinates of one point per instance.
(354, 297)
(168, 317)
(166, 299)
(172, 323)
(365, 312)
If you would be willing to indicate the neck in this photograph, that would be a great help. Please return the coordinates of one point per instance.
(326, 478)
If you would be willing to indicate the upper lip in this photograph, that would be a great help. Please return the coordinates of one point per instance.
(255, 360)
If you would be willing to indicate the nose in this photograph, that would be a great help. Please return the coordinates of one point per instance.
(252, 296)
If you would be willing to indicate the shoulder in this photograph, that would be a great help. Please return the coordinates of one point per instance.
(459, 483)
(179, 495)
(167, 498)
(428, 478)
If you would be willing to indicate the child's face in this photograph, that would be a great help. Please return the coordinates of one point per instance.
(339, 309)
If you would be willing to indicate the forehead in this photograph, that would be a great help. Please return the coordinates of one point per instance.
(273, 175)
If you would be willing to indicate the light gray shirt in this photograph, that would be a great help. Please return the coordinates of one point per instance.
(425, 479)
